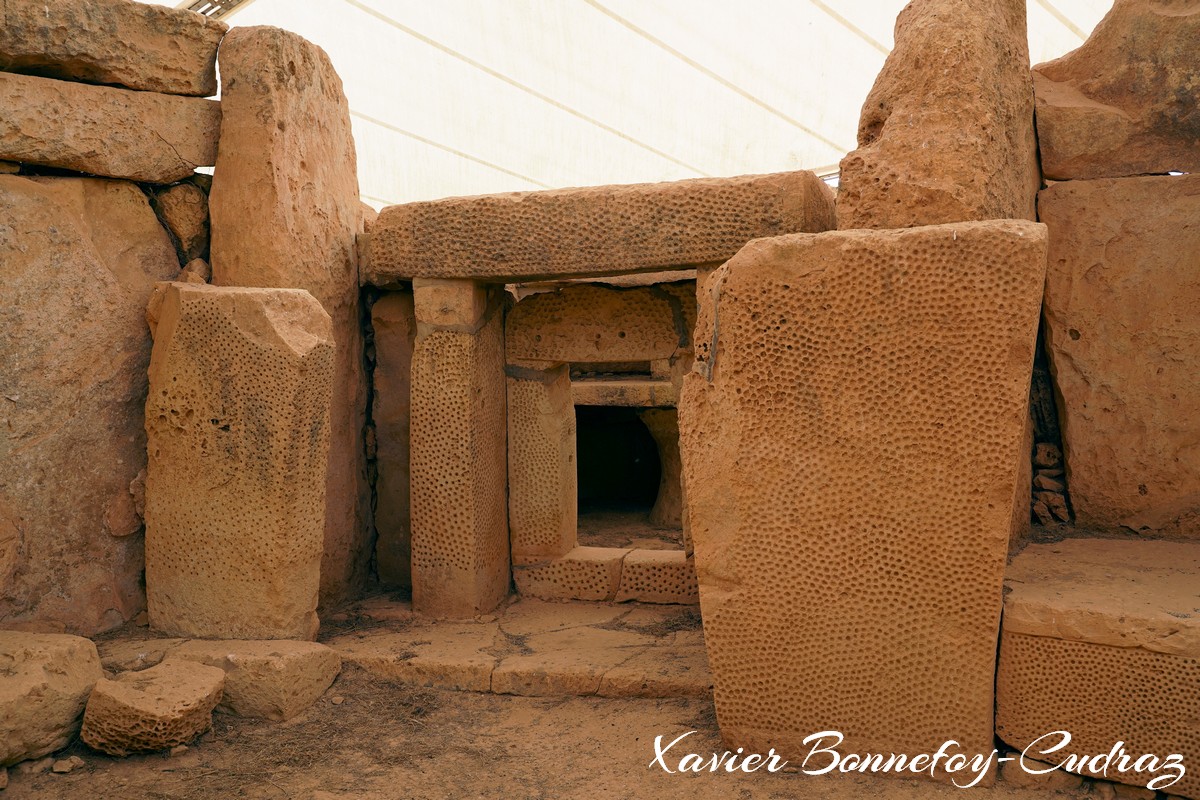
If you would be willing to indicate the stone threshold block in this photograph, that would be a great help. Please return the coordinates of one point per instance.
(599, 230)
(848, 373)
(1123, 338)
(1101, 638)
(141, 136)
(658, 576)
(584, 573)
(136, 45)
(458, 452)
(238, 438)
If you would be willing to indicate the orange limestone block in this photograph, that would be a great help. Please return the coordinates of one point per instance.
(238, 427)
(458, 457)
(1101, 639)
(946, 133)
(838, 376)
(598, 230)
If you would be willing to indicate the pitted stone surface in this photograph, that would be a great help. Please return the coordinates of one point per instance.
(596, 324)
(459, 511)
(1124, 338)
(287, 166)
(592, 231)
(946, 134)
(1149, 701)
(543, 489)
(658, 576)
(141, 136)
(47, 678)
(583, 573)
(1125, 102)
(78, 260)
(395, 326)
(157, 708)
(838, 377)
(273, 680)
(238, 427)
(137, 45)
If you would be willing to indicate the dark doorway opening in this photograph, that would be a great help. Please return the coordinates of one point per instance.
(619, 467)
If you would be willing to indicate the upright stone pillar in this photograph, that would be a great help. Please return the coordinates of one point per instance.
(543, 498)
(460, 551)
(285, 211)
(850, 439)
(237, 425)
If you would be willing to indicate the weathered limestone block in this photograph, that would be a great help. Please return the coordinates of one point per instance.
(584, 573)
(657, 576)
(626, 393)
(157, 708)
(148, 47)
(593, 231)
(1126, 102)
(196, 271)
(238, 428)
(47, 678)
(1124, 338)
(78, 260)
(844, 380)
(183, 209)
(273, 680)
(142, 136)
(596, 324)
(1117, 614)
(395, 327)
(287, 166)
(663, 424)
(946, 134)
(543, 493)
(459, 464)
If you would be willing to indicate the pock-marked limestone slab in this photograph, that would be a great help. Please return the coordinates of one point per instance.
(599, 230)
(238, 427)
(838, 376)
(1101, 638)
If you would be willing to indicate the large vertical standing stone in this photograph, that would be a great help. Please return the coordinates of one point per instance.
(1124, 340)
(946, 134)
(285, 211)
(460, 551)
(849, 373)
(238, 438)
(395, 325)
(79, 258)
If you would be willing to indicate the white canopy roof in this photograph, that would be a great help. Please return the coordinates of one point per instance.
(461, 97)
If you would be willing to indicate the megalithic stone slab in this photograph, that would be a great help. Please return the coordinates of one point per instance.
(1123, 337)
(598, 230)
(141, 136)
(238, 438)
(79, 258)
(287, 166)
(946, 134)
(137, 45)
(838, 377)
(1126, 102)
(458, 455)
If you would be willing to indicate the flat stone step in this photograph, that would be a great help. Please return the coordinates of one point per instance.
(1101, 638)
(538, 649)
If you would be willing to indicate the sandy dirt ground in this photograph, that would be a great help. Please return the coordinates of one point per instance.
(369, 740)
